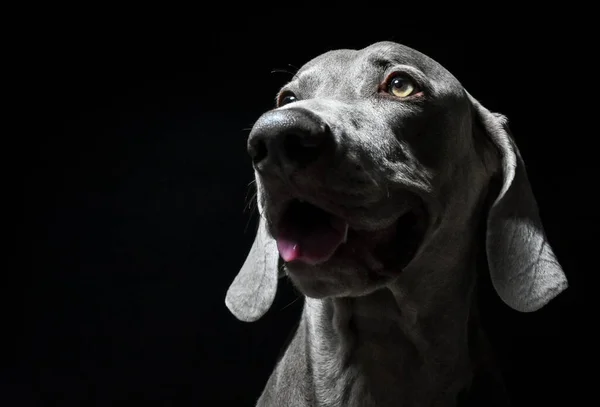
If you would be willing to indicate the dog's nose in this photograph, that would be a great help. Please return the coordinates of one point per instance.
(292, 137)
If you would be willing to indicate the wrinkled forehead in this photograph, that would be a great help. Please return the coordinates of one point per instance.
(371, 63)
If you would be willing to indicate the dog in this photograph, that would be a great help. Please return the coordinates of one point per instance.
(379, 179)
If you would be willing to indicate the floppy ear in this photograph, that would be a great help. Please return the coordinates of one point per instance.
(253, 290)
(523, 267)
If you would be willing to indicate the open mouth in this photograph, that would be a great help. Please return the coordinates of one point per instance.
(310, 235)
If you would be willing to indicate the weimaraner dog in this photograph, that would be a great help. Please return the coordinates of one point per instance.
(379, 178)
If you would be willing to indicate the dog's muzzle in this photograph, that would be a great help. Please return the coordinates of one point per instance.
(293, 150)
(287, 142)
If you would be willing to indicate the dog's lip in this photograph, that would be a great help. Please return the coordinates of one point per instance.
(350, 239)
(390, 246)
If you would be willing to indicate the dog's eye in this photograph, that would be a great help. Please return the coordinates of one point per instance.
(401, 86)
(285, 98)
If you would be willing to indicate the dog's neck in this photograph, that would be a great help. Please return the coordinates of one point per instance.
(406, 344)
(388, 348)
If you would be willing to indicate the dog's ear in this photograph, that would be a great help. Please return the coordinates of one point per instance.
(253, 290)
(523, 268)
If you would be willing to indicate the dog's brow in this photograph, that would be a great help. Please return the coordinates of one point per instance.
(379, 61)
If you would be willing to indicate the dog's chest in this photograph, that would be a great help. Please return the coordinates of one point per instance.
(379, 375)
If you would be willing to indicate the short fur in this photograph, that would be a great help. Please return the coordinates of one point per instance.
(370, 334)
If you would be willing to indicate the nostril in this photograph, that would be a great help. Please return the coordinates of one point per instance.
(290, 139)
(302, 149)
(258, 151)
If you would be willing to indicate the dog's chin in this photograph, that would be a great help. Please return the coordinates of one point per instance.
(327, 255)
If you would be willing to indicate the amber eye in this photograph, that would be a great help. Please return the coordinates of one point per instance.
(286, 97)
(401, 86)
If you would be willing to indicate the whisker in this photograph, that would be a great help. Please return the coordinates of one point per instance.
(372, 179)
(249, 219)
(251, 203)
(279, 70)
(283, 70)
(251, 200)
(293, 301)
(249, 128)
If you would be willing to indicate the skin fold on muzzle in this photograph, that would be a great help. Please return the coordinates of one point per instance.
(379, 179)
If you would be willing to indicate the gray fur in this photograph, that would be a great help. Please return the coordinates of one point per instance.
(370, 334)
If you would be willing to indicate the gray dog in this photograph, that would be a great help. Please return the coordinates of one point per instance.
(378, 179)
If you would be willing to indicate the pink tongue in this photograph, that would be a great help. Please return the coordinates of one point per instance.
(312, 245)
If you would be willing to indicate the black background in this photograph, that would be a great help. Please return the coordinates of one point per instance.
(133, 218)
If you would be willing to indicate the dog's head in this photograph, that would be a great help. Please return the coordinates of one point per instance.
(376, 161)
